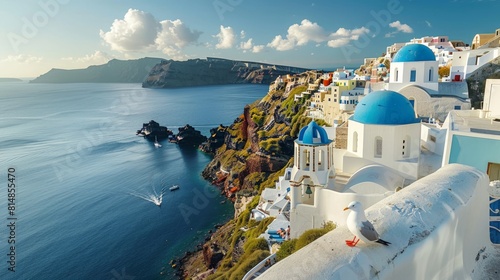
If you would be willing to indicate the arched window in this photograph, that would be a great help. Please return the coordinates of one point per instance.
(355, 141)
(307, 159)
(413, 75)
(321, 160)
(378, 147)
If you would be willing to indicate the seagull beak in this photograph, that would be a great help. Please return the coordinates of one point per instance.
(347, 208)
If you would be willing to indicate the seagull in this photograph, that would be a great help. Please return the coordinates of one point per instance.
(360, 226)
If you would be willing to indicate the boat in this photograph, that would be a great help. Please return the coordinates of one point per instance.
(174, 187)
(157, 144)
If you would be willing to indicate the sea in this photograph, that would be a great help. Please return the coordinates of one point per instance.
(77, 185)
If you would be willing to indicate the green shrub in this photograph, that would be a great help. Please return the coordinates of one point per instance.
(248, 263)
(309, 236)
(260, 228)
(255, 244)
(271, 145)
(287, 248)
(257, 116)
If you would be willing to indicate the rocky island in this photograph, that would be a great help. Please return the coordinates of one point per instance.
(186, 137)
(213, 71)
(115, 71)
(7, 80)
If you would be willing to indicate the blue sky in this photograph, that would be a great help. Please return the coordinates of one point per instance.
(37, 35)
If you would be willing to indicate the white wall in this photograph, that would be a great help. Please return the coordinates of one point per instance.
(492, 97)
(437, 227)
(428, 131)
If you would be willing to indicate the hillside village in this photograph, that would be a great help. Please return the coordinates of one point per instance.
(403, 136)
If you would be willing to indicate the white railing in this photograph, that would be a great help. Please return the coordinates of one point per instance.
(251, 273)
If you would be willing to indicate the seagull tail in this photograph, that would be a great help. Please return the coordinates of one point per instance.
(383, 242)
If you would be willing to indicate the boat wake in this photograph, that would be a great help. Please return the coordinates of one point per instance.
(153, 196)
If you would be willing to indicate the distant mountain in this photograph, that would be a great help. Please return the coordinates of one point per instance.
(4, 80)
(214, 71)
(115, 71)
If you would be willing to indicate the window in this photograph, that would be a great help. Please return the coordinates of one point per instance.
(413, 75)
(430, 74)
(406, 147)
(355, 141)
(396, 74)
(458, 107)
(493, 171)
(378, 147)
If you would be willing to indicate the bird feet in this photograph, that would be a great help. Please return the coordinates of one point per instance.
(352, 243)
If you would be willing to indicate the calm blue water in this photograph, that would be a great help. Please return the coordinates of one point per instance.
(77, 160)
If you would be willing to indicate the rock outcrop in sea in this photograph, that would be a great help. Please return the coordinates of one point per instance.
(153, 130)
(189, 137)
(213, 71)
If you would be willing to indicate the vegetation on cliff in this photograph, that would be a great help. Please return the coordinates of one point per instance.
(257, 148)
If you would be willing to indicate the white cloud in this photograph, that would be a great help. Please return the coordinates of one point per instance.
(246, 45)
(299, 35)
(174, 36)
(22, 58)
(139, 31)
(249, 46)
(307, 31)
(401, 27)
(336, 43)
(258, 48)
(343, 36)
(428, 23)
(281, 44)
(242, 34)
(226, 38)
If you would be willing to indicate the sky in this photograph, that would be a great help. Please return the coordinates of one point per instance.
(38, 35)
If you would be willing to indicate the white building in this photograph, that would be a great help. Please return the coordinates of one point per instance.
(384, 130)
(466, 62)
(414, 74)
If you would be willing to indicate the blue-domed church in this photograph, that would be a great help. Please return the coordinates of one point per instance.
(414, 74)
(384, 130)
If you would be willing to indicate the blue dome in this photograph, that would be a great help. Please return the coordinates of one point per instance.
(313, 134)
(385, 107)
(414, 52)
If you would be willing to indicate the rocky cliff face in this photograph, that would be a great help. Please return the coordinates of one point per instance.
(202, 72)
(477, 81)
(258, 143)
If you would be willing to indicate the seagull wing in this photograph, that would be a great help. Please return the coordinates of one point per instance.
(368, 231)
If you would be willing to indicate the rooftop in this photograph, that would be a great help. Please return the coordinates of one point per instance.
(474, 121)
(414, 52)
(385, 107)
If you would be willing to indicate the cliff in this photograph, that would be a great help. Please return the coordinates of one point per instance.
(213, 71)
(249, 155)
(115, 71)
